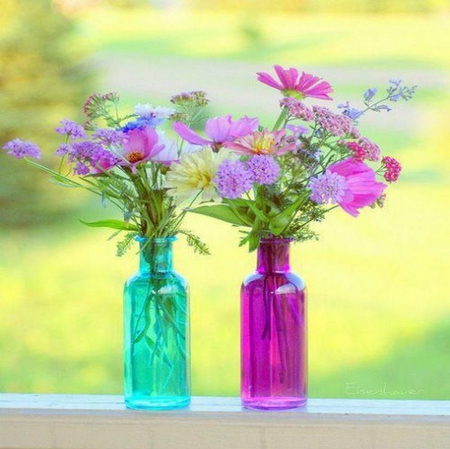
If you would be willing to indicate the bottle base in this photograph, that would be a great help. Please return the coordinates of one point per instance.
(157, 403)
(274, 403)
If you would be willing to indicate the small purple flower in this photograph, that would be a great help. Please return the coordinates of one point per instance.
(352, 113)
(72, 129)
(382, 107)
(328, 188)
(84, 150)
(20, 149)
(398, 91)
(102, 160)
(265, 169)
(140, 123)
(81, 169)
(298, 130)
(109, 136)
(345, 105)
(62, 150)
(148, 115)
(395, 82)
(348, 111)
(370, 93)
(233, 179)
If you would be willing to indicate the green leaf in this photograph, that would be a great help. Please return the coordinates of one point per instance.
(289, 211)
(195, 241)
(124, 245)
(113, 224)
(258, 213)
(221, 212)
(253, 241)
(240, 202)
(275, 230)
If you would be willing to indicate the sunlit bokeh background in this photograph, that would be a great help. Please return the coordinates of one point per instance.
(379, 309)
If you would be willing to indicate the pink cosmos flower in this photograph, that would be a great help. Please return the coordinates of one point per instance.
(361, 188)
(298, 86)
(219, 130)
(263, 142)
(139, 146)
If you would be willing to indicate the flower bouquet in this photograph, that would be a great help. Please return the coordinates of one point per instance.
(273, 184)
(125, 160)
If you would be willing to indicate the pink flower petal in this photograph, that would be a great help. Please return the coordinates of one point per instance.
(362, 189)
(243, 126)
(218, 128)
(141, 145)
(267, 79)
(306, 85)
(287, 77)
(306, 81)
(187, 134)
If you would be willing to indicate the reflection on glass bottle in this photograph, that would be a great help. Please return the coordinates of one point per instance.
(156, 331)
(273, 332)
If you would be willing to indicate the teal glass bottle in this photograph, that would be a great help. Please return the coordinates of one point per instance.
(156, 331)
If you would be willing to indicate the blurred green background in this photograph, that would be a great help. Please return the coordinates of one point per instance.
(379, 321)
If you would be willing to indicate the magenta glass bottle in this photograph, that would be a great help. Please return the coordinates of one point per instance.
(273, 332)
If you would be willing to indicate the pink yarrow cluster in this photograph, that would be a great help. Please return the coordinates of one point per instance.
(364, 149)
(373, 152)
(392, 167)
(359, 153)
(335, 124)
(297, 109)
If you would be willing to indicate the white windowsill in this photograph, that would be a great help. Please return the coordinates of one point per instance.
(102, 422)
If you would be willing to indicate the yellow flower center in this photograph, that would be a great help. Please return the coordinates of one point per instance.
(203, 180)
(134, 156)
(263, 144)
(294, 94)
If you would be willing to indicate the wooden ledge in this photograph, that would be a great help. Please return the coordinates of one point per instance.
(103, 422)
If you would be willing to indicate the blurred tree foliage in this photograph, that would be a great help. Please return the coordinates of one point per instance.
(325, 6)
(43, 79)
(260, 6)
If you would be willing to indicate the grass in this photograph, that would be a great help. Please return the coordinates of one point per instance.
(398, 41)
(378, 285)
(378, 298)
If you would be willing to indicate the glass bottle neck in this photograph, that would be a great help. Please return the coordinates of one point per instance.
(156, 255)
(273, 256)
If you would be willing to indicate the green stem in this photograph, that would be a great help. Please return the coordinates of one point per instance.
(282, 119)
(180, 217)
